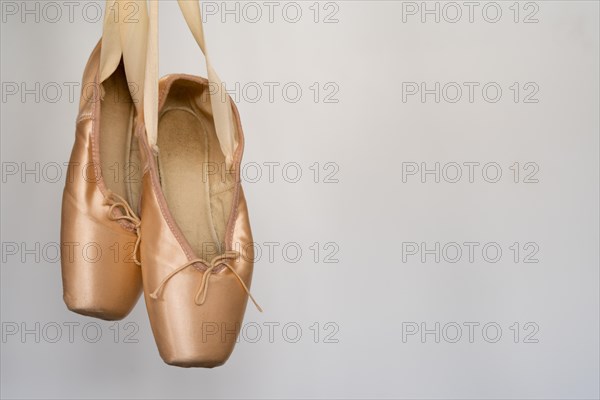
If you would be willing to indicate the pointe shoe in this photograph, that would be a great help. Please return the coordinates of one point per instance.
(197, 257)
(99, 229)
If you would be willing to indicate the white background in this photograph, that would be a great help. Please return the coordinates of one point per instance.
(366, 217)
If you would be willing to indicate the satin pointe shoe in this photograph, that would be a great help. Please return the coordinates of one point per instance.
(197, 252)
(99, 230)
(197, 257)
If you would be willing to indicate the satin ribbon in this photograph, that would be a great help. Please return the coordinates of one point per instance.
(220, 101)
(125, 34)
(131, 30)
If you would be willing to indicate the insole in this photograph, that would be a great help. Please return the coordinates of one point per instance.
(134, 171)
(119, 153)
(183, 154)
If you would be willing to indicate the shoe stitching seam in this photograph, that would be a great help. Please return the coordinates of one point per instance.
(85, 116)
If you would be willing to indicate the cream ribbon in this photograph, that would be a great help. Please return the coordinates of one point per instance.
(111, 53)
(131, 30)
(220, 101)
(125, 34)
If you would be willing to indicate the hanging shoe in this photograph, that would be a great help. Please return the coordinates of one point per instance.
(100, 229)
(197, 253)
